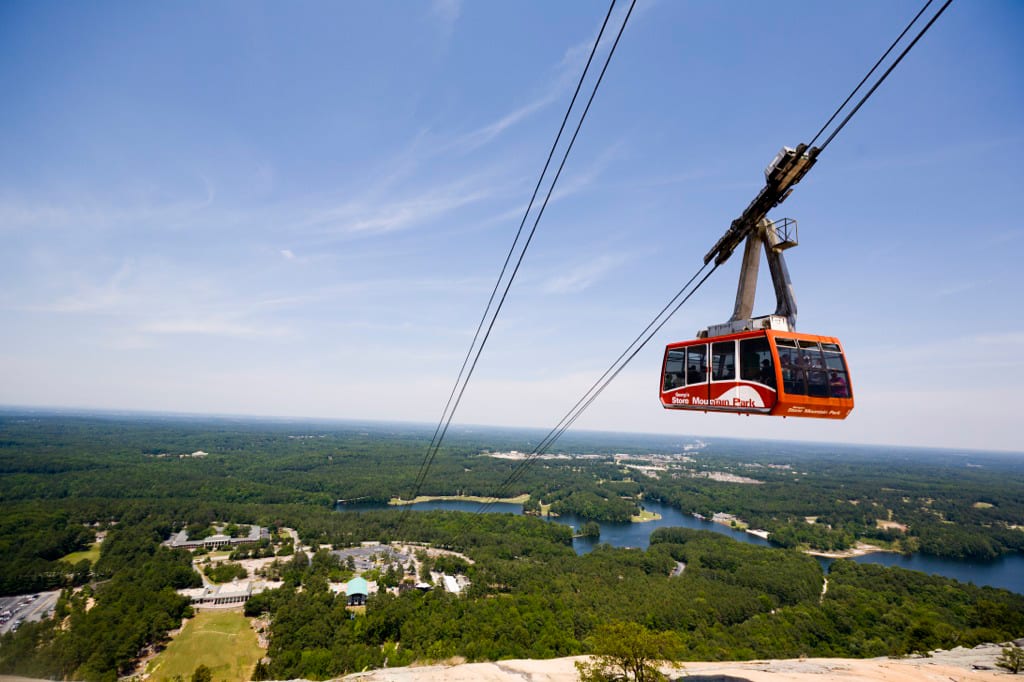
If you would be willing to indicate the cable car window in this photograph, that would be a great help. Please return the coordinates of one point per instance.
(756, 361)
(835, 361)
(838, 385)
(723, 361)
(674, 368)
(794, 371)
(696, 364)
(814, 363)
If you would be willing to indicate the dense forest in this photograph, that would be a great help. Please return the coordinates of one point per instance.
(63, 479)
(958, 505)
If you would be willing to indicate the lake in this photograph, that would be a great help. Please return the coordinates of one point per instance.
(1006, 572)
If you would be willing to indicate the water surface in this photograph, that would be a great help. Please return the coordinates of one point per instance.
(1006, 572)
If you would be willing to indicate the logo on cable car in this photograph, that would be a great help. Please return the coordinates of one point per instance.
(735, 397)
(800, 409)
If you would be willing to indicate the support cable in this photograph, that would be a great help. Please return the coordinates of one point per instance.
(868, 75)
(434, 444)
(442, 431)
(885, 75)
(598, 387)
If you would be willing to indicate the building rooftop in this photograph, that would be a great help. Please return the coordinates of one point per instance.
(357, 586)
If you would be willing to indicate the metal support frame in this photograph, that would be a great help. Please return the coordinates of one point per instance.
(766, 235)
(774, 238)
(787, 169)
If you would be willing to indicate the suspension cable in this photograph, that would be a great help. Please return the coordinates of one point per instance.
(508, 257)
(886, 74)
(868, 75)
(432, 453)
(598, 387)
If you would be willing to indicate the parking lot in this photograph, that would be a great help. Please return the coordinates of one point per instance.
(25, 608)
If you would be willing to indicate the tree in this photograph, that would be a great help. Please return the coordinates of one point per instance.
(202, 674)
(261, 672)
(628, 651)
(1011, 659)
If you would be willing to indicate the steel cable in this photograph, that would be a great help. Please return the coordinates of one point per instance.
(442, 431)
(603, 381)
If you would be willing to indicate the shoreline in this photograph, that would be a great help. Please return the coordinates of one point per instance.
(518, 499)
(860, 549)
(643, 517)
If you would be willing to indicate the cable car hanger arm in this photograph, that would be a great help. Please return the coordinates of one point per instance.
(787, 169)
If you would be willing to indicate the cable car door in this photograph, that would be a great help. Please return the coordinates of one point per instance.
(722, 386)
(697, 375)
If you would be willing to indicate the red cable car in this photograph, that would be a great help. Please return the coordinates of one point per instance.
(764, 371)
(760, 365)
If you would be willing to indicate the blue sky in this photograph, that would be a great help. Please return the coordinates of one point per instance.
(299, 209)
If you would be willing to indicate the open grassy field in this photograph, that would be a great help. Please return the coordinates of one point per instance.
(92, 554)
(221, 640)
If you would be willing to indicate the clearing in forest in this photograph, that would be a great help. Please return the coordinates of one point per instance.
(92, 554)
(220, 640)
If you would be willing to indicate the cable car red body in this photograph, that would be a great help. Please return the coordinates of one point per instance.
(786, 374)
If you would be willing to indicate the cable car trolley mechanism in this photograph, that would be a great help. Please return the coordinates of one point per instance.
(760, 365)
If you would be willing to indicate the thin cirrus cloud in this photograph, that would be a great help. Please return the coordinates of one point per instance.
(569, 185)
(111, 295)
(583, 276)
(391, 214)
(481, 136)
(447, 12)
(88, 210)
(1011, 340)
(212, 326)
(566, 77)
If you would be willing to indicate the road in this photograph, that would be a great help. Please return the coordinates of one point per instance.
(26, 608)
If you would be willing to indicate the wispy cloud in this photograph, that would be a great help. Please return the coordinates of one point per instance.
(97, 212)
(566, 76)
(961, 287)
(211, 326)
(569, 185)
(140, 300)
(481, 136)
(1002, 237)
(1012, 339)
(381, 209)
(447, 11)
(392, 214)
(106, 297)
(583, 276)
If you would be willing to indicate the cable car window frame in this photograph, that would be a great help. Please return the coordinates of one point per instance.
(674, 379)
(723, 361)
(794, 375)
(814, 362)
(700, 357)
(760, 348)
(838, 376)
